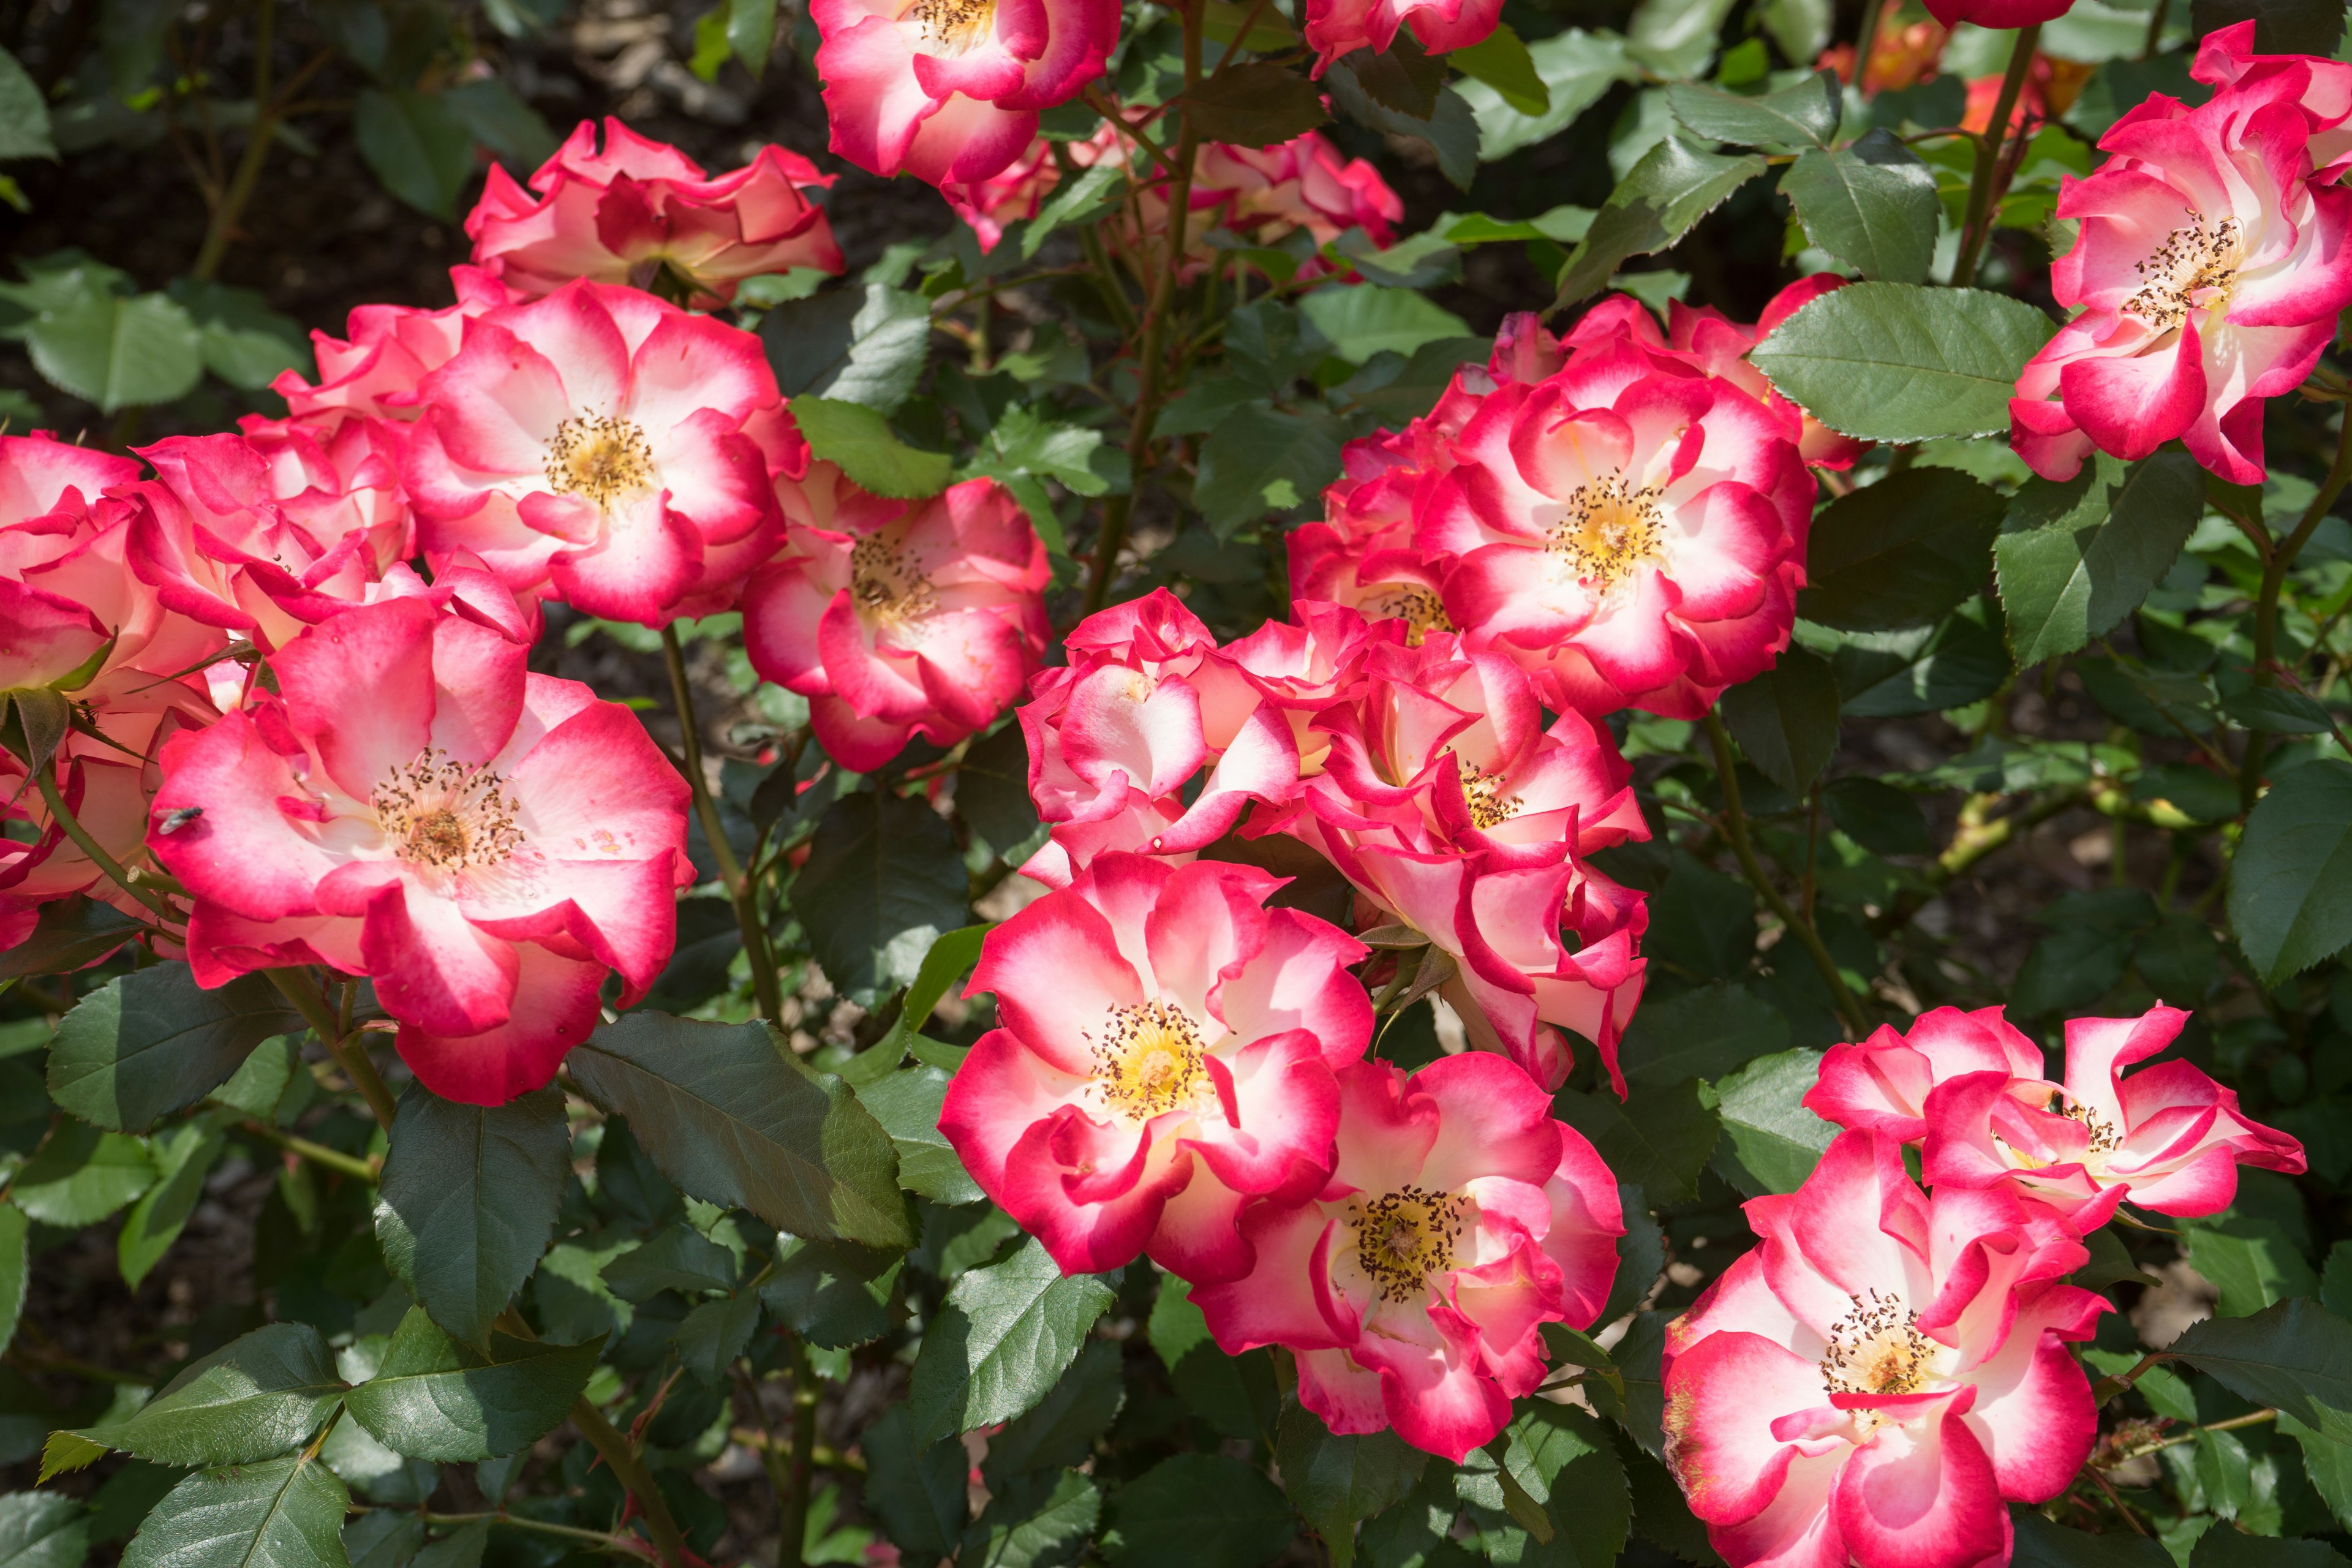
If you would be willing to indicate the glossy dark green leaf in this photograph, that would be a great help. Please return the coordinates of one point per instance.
(287, 1513)
(1900, 552)
(115, 351)
(468, 1202)
(713, 1335)
(1661, 1136)
(1193, 1509)
(882, 882)
(1658, 201)
(862, 443)
(1873, 204)
(1786, 720)
(1335, 1481)
(865, 345)
(154, 1041)
(1258, 460)
(1011, 1330)
(16, 1257)
(1501, 60)
(2296, 1357)
(243, 342)
(1254, 104)
(916, 1489)
(1895, 361)
(247, 1402)
(2076, 556)
(80, 1175)
(813, 1292)
(2225, 1546)
(2250, 1261)
(1770, 1142)
(433, 1398)
(2291, 885)
(416, 145)
(43, 1529)
(1804, 115)
(2041, 1544)
(184, 1155)
(23, 114)
(906, 1104)
(1575, 65)
(732, 1117)
(72, 932)
(2278, 711)
(678, 1258)
(1704, 1033)
(1059, 1432)
(1033, 1522)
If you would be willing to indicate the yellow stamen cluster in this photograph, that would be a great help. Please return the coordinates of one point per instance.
(599, 458)
(955, 26)
(1610, 529)
(1150, 1060)
(1404, 1237)
(446, 814)
(1482, 792)
(2194, 269)
(1877, 1348)
(887, 582)
(1419, 609)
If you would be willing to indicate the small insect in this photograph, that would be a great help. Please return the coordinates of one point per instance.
(175, 820)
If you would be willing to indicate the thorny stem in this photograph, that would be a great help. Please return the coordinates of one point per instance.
(800, 1459)
(266, 114)
(1989, 157)
(594, 1538)
(1240, 40)
(740, 890)
(1154, 350)
(2255, 1418)
(2266, 601)
(1735, 824)
(615, 1450)
(59, 813)
(2156, 21)
(2106, 1388)
(294, 985)
(317, 1153)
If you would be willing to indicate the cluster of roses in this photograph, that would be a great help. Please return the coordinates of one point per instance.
(1180, 1071)
(398, 797)
(1888, 1370)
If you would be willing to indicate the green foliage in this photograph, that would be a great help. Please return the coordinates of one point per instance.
(2075, 557)
(1673, 187)
(1895, 361)
(1009, 1332)
(153, 1042)
(433, 1398)
(286, 1513)
(245, 1403)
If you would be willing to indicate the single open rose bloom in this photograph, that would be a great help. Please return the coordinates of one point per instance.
(1881, 1084)
(949, 91)
(1458, 1219)
(1630, 531)
(592, 446)
(903, 616)
(2167, 1138)
(2210, 267)
(1338, 27)
(1877, 1380)
(414, 806)
(637, 209)
(1166, 1051)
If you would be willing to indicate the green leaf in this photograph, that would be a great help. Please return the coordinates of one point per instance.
(73, 933)
(1895, 361)
(501, 120)
(729, 1114)
(154, 1041)
(1895, 674)
(1786, 720)
(882, 883)
(1402, 77)
(1195, 1508)
(2279, 712)
(1096, 190)
(1705, 1033)
(468, 1202)
(862, 443)
(1336, 1482)
(1451, 133)
(1059, 1432)
(713, 1335)
(812, 1291)
(185, 1155)
(1576, 68)
(433, 1398)
(1365, 319)
(1255, 104)
(80, 1175)
(1802, 27)
(43, 1529)
(1010, 1331)
(23, 117)
(287, 1513)
(16, 1257)
(1878, 817)
(1657, 202)
(2251, 1262)
(1259, 460)
(2226, 1547)
(1873, 204)
(1676, 37)
(2076, 556)
(1562, 1463)
(1771, 1142)
(253, 1398)
(114, 351)
(243, 342)
(1503, 63)
(416, 145)
(1807, 113)
(2291, 883)
(1033, 1522)
(1659, 1137)
(906, 1104)
(916, 1490)
(1022, 443)
(1903, 552)
(2041, 1544)
(2295, 1357)
(864, 345)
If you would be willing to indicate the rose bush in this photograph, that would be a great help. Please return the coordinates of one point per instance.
(1203, 859)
